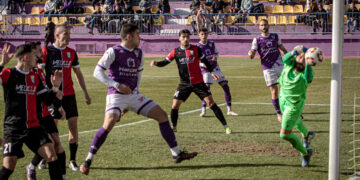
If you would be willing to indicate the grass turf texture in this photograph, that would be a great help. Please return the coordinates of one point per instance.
(253, 151)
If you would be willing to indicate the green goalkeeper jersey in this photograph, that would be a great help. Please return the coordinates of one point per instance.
(293, 85)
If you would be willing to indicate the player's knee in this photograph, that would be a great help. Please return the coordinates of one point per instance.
(283, 136)
(211, 103)
(50, 157)
(163, 117)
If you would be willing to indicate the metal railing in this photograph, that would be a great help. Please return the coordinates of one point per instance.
(170, 24)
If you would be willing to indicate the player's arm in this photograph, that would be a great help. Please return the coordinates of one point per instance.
(49, 97)
(5, 57)
(166, 61)
(204, 60)
(216, 56)
(80, 79)
(281, 47)
(308, 73)
(139, 73)
(252, 51)
(99, 72)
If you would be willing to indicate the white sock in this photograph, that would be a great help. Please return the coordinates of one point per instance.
(203, 109)
(175, 151)
(229, 108)
(31, 166)
(90, 156)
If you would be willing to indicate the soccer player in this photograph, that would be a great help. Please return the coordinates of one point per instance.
(125, 63)
(22, 90)
(59, 56)
(294, 80)
(47, 122)
(188, 59)
(269, 46)
(209, 50)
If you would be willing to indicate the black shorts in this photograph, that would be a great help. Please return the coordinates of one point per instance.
(34, 138)
(69, 105)
(184, 90)
(48, 124)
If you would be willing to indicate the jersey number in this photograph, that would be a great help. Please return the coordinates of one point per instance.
(7, 148)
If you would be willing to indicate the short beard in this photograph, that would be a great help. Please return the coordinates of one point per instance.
(299, 67)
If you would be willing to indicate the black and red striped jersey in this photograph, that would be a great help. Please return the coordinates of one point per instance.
(188, 62)
(64, 59)
(20, 93)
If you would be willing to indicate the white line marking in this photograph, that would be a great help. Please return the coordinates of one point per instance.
(196, 110)
(252, 77)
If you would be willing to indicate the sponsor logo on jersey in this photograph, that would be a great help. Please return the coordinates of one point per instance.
(60, 64)
(186, 60)
(23, 89)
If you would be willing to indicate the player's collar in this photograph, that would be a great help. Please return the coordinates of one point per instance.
(265, 36)
(185, 48)
(205, 43)
(20, 71)
(126, 48)
(57, 47)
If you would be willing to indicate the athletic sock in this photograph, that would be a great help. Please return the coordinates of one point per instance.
(73, 150)
(227, 94)
(54, 172)
(98, 140)
(5, 173)
(36, 160)
(295, 142)
(168, 134)
(276, 105)
(218, 113)
(174, 116)
(301, 127)
(62, 162)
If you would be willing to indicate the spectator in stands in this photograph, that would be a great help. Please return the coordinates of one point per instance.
(235, 5)
(49, 8)
(193, 20)
(147, 20)
(221, 19)
(116, 19)
(95, 19)
(352, 17)
(217, 5)
(327, 6)
(128, 5)
(202, 19)
(96, 2)
(12, 6)
(137, 19)
(59, 7)
(195, 4)
(245, 10)
(164, 6)
(105, 18)
(321, 18)
(68, 7)
(312, 13)
(145, 6)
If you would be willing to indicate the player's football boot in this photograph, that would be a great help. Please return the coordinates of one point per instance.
(203, 113)
(306, 140)
(42, 164)
(73, 166)
(184, 156)
(232, 113)
(175, 129)
(228, 130)
(30, 173)
(85, 167)
(305, 160)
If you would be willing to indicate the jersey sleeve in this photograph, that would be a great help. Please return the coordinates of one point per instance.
(141, 67)
(308, 74)
(5, 75)
(216, 51)
(254, 45)
(75, 63)
(279, 41)
(288, 58)
(107, 59)
(171, 55)
(45, 53)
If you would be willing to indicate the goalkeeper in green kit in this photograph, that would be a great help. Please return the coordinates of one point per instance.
(295, 77)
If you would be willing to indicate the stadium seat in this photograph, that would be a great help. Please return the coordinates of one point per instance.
(278, 9)
(35, 10)
(55, 20)
(17, 21)
(250, 20)
(227, 9)
(272, 20)
(298, 8)
(159, 21)
(35, 21)
(268, 9)
(154, 9)
(89, 10)
(356, 5)
(227, 1)
(81, 21)
(62, 20)
(44, 21)
(135, 8)
(190, 18)
(292, 21)
(272, 0)
(27, 21)
(305, 9)
(229, 20)
(282, 20)
(260, 18)
(347, 6)
(256, 0)
(288, 9)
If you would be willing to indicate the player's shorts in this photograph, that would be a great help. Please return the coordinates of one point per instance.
(208, 79)
(34, 138)
(48, 124)
(117, 103)
(272, 75)
(184, 90)
(70, 106)
(290, 113)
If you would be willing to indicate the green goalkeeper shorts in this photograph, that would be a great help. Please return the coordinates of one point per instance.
(290, 113)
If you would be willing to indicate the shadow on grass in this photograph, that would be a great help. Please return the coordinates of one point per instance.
(192, 167)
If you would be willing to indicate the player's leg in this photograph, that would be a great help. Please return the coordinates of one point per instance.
(271, 76)
(274, 89)
(223, 82)
(208, 80)
(218, 113)
(111, 117)
(180, 96)
(47, 151)
(9, 163)
(60, 152)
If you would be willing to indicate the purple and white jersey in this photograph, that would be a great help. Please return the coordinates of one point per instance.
(124, 66)
(209, 50)
(268, 48)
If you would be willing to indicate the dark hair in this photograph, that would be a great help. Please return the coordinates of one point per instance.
(127, 29)
(34, 44)
(21, 50)
(184, 31)
(205, 30)
(265, 20)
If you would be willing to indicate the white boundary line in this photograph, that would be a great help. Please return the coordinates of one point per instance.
(251, 77)
(192, 111)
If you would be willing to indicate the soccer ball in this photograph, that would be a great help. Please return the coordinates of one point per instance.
(314, 56)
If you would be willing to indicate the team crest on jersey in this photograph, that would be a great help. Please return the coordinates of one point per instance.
(192, 52)
(68, 54)
(121, 51)
(272, 36)
(32, 78)
(210, 44)
(136, 53)
(269, 44)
